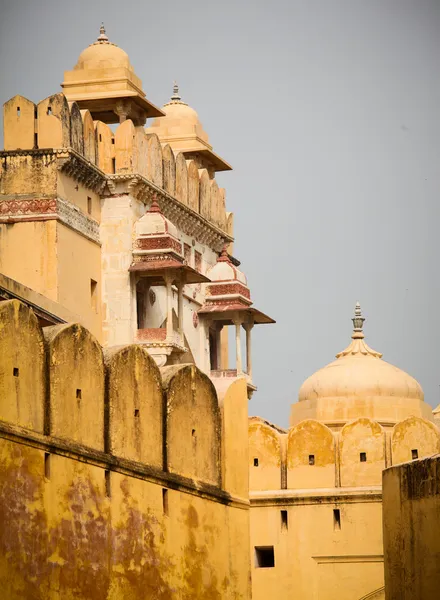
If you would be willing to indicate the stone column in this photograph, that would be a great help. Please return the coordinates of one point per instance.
(218, 345)
(168, 282)
(180, 308)
(248, 327)
(239, 365)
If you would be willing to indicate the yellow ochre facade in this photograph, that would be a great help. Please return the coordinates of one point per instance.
(129, 466)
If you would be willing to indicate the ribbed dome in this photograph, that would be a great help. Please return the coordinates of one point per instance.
(153, 222)
(103, 54)
(224, 270)
(360, 373)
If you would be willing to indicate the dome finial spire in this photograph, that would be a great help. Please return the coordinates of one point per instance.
(175, 96)
(358, 322)
(358, 345)
(102, 35)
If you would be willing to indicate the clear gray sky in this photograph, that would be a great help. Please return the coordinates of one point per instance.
(329, 112)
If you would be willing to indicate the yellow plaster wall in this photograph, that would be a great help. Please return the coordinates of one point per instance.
(79, 262)
(80, 525)
(362, 435)
(264, 446)
(29, 176)
(28, 254)
(414, 433)
(77, 194)
(313, 561)
(306, 439)
(411, 512)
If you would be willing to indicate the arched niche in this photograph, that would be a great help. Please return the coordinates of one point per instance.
(193, 424)
(362, 453)
(19, 124)
(264, 456)
(22, 366)
(414, 438)
(76, 385)
(53, 122)
(310, 456)
(135, 405)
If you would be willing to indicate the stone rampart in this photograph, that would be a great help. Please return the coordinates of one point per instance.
(111, 476)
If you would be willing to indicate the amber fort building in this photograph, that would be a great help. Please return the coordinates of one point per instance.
(129, 467)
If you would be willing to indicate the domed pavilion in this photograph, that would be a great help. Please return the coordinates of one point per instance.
(104, 82)
(359, 384)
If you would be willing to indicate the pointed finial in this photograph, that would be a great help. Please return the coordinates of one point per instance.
(102, 36)
(175, 95)
(224, 256)
(358, 321)
(154, 208)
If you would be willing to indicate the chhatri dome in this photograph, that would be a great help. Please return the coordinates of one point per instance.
(359, 384)
(182, 130)
(102, 54)
(104, 82)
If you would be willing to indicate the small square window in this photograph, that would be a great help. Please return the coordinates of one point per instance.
(363, 457)
(255, 462)
(311, 459)
(264, 557)
(414, 454)
(78, 394)
(16, 372)
(136, 412)
(284, 520)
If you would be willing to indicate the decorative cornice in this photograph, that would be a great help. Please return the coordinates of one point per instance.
(181, 215)
(47, 209)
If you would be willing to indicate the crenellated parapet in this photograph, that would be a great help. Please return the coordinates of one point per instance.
(115, 408)
(116, 477)
(93, 154)
(313, 456)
